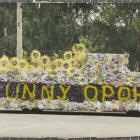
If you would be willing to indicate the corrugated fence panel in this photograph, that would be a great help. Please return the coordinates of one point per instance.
(70, 1)
(87, 138)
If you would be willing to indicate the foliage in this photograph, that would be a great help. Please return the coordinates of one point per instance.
(8, 29)
(54, 28)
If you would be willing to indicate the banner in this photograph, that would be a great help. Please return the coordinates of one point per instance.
(73, 93)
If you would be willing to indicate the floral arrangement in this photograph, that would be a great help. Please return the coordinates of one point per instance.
(77, 67)
(42, 68)
(59, 105)
(37, 62)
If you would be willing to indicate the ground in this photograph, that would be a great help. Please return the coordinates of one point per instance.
(35, 125)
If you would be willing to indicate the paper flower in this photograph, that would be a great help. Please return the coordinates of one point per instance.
(52, 75)
(35, 56)
(66, 65)
(45, 61)
(4, 63)
(34, 67)
(59, 63)
(23, 65)
(79, 48)
(68, 55)
(14, 63)
(79, 57)
(53, 65)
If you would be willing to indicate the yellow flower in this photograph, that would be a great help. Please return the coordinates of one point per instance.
(72, 66)
(35, 56)
(68, 55)
(79, 57)
(25, 55)
(14, 63)
(128, 79)
(79, 65)
(52, 75)
(23, 65)
(55, 56)
(79, 51)
(4, 63)
(126, 61)
(79, 48)
(59, 63)
(80, 79)
(126, 56)
(98, 110)
(45, 61)
(67, 65)
(34, 66)
(53, 65)
(70, 70)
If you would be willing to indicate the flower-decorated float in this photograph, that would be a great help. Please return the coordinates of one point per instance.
(79, 81)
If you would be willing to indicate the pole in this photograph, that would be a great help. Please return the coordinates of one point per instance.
(19, 30)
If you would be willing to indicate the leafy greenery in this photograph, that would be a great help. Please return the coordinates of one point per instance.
(54, 28)
(8, 29)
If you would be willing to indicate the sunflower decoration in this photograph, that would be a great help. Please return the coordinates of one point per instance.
(79, 67)
(67, 66)
(80, 79)
(23, 65)
(126, 56)
(73, 63)
(79, 52)
(35, 56)
(71, 70)
(35, 61)
(52, 75)
(68, 55)
(53, 65)
(25, 55)
(34, 66)
(72, 66)
(52, 69)
(4, 63)
(79, 57)
(59, 63)
(55, 56)
(79, 48)
(14, 63)
(45, 61)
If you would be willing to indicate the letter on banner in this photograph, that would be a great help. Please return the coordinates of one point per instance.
(45, 90)
(86, 88)
(7, 91)
(64, 91)
(105, 94)
(120, 98)
(136, 94)
(27, 91)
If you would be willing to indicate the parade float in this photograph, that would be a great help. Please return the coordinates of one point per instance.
(79, 81)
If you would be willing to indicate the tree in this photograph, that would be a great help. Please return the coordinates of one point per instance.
(105, 28)
(8, 29)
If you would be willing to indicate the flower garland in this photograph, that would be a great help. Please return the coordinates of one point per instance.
(90, 106)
